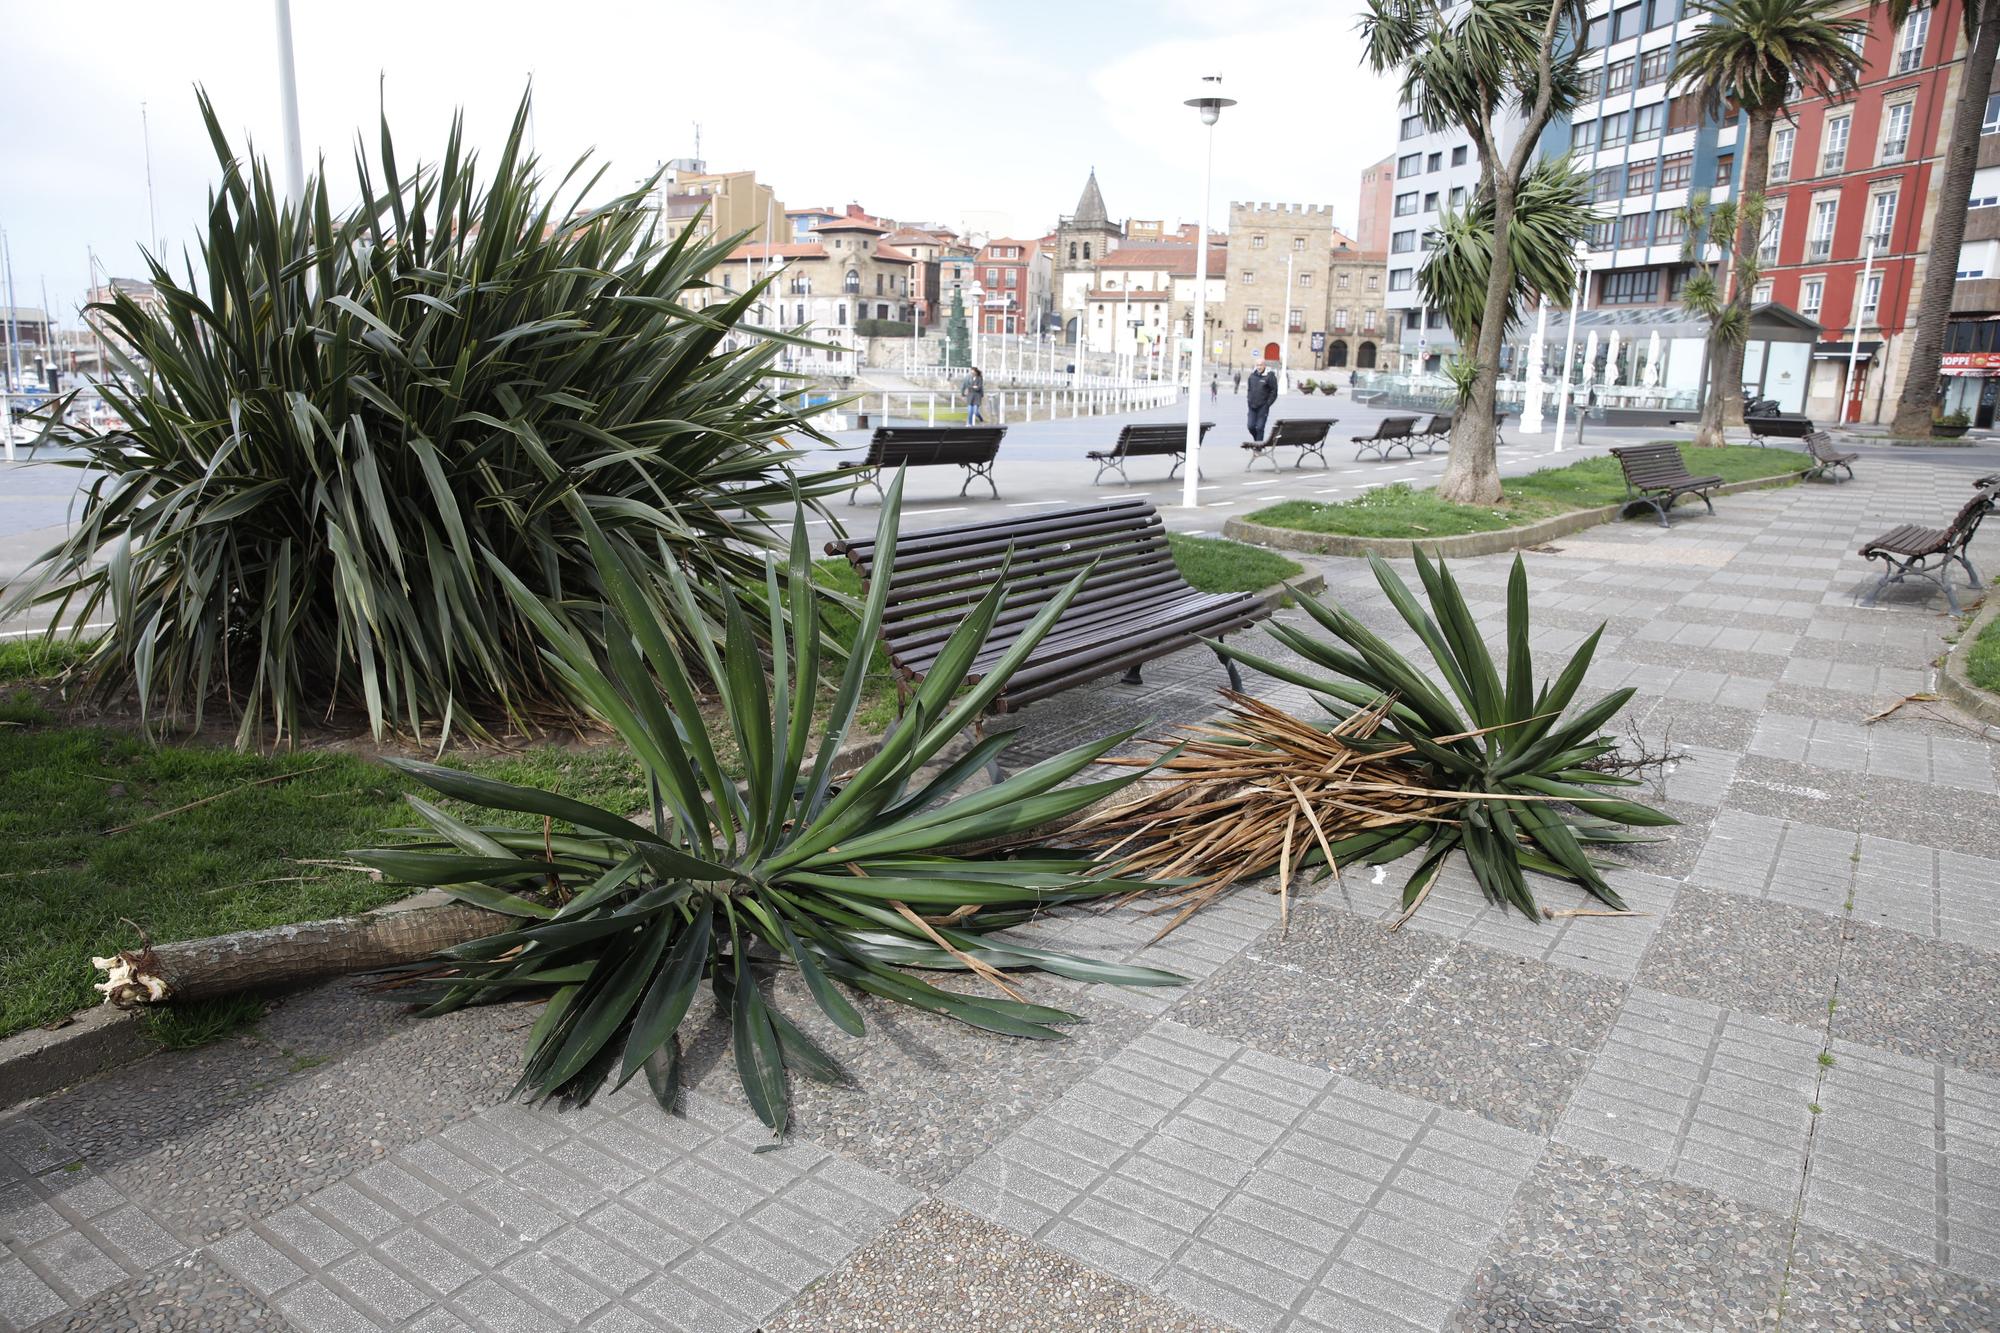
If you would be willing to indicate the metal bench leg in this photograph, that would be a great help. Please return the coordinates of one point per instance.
(1179, 459)
(1229, 665)
(1132, 676)
(976, 471)
(1710, 503)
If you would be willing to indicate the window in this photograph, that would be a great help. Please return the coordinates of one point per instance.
(851, 284)
(1402, 242)
(1646, 122)
(1249, 276)
(1298, 242)
(1614, 129)
(1340, 318)
(1771, 233)
(1406, 204)
(1882, 218)
(1910, 44)
(1761, 293)
(1583, 134)
(1635, 229)
(1631, 287)
(1659, 13)
(992, 276)
(1977, 260)
(1683, 113)
(1399, 279)
(1833, 153)
(1253, 317)
(1458, 196)
(1412, 126)
(1628, 22)
(1431, 202)
(1991, 124)
(1368, 318)
(1013, 277)
(1295, 320)
(1871, 296)
(1435, 162)
(1086, 249)
(840, 313)
(1409, 165)
(1669, 227)
(1782, 139)
(1618, 77)
(1598, 34)
(1305, 279)
(1896, 132)
(1985, 188)
(1256, 242)
(1604, 234)
(1604, 184)
(1725, 168)
(1676, 169)
(1811, 293)
(1374, 282)
(1655, 66)
(1819, 242)
(1458, 156)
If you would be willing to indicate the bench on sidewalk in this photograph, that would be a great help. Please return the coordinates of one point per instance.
(1912, 550)
(1134, 606)
(1437, 428)
(971, 447)
(1305, 434)
(1779, 426)
(1825, 458)
(1390, 433)
(1657, 475)
(1164, 439)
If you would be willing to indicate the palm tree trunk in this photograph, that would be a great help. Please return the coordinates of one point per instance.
(1725, 392)
(1472, 471)
(1961, 159)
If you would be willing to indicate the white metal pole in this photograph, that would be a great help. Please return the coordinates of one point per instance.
(288, 95)
(1189, 498)
(1285, 343)
(1854, 334)
(1569, 350)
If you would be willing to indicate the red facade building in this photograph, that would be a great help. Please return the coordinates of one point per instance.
(1851, 173)
(1002, 273)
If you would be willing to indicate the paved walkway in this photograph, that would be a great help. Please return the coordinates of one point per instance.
(1773, 1102)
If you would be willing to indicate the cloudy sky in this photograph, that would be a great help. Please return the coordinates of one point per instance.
(934, 109)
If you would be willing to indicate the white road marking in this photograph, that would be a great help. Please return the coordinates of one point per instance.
(1272, 482)
(1030, 504)
(1371, 485)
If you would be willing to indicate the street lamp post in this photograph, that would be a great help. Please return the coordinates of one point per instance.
(288, 97)
(1208, 101)
(1847, 393)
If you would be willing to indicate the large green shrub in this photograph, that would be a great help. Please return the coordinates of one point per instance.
(343, 425)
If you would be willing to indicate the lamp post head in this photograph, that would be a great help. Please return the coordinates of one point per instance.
(1208, 99)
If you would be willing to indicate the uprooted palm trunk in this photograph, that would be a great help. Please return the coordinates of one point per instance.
(281, 957)
(1261, 792)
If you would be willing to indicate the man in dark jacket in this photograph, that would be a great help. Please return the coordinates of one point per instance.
(1263, 392)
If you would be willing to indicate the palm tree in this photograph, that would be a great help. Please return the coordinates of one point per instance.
(1961, 159)
(1497, 65)
(1752, 53)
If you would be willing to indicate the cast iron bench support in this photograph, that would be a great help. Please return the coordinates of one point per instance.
(1138, 440)
(1390, 433)
(1825, 458)
(1657, 475)
(1305, 434)
(973, 448)
(1913, 551)
(1134, 605)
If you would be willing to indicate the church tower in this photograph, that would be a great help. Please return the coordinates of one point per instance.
(1082, 238)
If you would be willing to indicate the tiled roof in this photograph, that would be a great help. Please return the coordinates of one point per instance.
(890, 255)
(1175, 259)
(852, 224)
(788, 250)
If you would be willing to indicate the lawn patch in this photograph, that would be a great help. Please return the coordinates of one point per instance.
(1400, 511)
(1214, 565)
(1982, 662)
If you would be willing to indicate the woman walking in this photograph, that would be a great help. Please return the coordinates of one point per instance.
(975, 394)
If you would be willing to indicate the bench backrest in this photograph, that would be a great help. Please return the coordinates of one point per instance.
(1155, 437)
(1819, 444)
(1966, 521)
(892, 446)
(1390, 428)
(1301, 430)
(1441, 424)
(939, 575)
(1648, 466)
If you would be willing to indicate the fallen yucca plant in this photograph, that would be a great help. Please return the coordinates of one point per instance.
(342, 422)
(849, 883)
(1260, 791)
(1514, 760)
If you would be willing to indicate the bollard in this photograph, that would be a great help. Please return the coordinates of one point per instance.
(930, 408)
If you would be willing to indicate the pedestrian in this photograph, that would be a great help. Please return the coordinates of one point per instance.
(975, 394)
(1353, 378)
(1263, 392)
(1239, 381)
(1214, 386)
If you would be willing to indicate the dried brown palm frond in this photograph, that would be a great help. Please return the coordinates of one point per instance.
(1258, 790)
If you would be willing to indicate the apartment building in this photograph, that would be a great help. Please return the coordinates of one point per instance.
(1279, 264)
(1356, 325)
(1371, 218)
(1434, 170)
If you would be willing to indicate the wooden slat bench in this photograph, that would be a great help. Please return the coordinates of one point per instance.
(1657, 475)
(1305, 434)
(971, 447)
(1825, 458)
(1437, 428)
(1912, 550)
(1134, 607)
(1783, 426)
(1390, 433)
(1166, 440)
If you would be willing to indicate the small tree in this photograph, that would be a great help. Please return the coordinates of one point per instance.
(1752, 53)
(957, 341)
(1961, 158)
(1499, 70)
(1708, 247)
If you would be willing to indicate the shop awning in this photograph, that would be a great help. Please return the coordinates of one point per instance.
(1838, 351)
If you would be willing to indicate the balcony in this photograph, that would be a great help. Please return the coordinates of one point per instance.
(1252, 325)
(1894, 150)
(1833, 163)
(1780, 171)
(1819, 248)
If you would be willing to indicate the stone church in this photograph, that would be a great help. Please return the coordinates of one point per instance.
(1082, 238)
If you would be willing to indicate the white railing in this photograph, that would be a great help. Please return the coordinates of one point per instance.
(1005, 406)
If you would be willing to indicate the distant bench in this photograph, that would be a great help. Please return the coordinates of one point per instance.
(973, 448)
(1142, 440)
(1390, 433)
(1657, 475)
(1305, 434)
(1783, 426)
